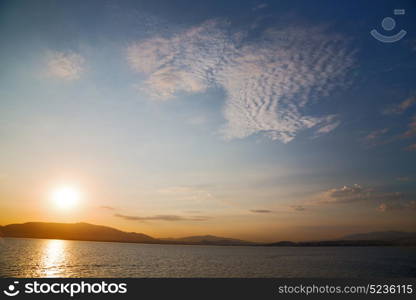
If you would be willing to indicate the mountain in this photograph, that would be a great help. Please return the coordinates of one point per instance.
(381, 236)
(337, 243)
(90, 232)
(73, 231)
(209, 240)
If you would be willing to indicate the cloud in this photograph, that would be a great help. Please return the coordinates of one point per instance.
(344, 194)
(260, 6)
(298, 207)
(268, 82)
(329, 125)
(328, 128)
(408, 205)
(67, 66)
(107, 207)
(172, 218)
(358, 193)
(376, 134)
(260, 211)
(412, 128)
(377, 137)
(401, 107)
(355, 193)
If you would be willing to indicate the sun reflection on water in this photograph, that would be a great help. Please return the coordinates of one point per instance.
(53, 258)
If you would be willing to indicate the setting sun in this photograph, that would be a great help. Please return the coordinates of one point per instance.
(65, 197)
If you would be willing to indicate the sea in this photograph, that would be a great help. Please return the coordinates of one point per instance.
(21, 257)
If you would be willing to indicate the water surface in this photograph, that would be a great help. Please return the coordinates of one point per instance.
(61, 258)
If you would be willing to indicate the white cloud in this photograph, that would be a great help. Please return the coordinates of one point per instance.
(67, 66)
(268, 82)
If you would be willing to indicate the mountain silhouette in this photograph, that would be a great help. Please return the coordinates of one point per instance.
(91, 232)
(380, 238)
(210, 240)
(73, 231)
(380, 235)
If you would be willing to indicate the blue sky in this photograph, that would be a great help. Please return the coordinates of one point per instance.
(259, 120)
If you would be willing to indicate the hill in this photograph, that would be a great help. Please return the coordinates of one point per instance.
(90, 232)
(210, 240)
(73, 231)
(381, 235)
(381, 238)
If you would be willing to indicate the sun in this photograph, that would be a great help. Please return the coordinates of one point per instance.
(65, 197)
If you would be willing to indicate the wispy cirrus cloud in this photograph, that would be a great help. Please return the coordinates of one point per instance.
(401, 107)
(172, 218)
(328, 128)
(376, 134)
(65, 65)
(268, 82)
(377, 137)
(411, 131)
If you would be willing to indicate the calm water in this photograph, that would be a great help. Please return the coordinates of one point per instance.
(59, 258)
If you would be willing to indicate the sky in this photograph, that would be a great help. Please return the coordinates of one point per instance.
(258, 120)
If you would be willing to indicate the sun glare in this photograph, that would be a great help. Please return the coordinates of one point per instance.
(65, 197)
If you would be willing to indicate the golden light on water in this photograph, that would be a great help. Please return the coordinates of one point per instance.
(53, 258)
(65, 197)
